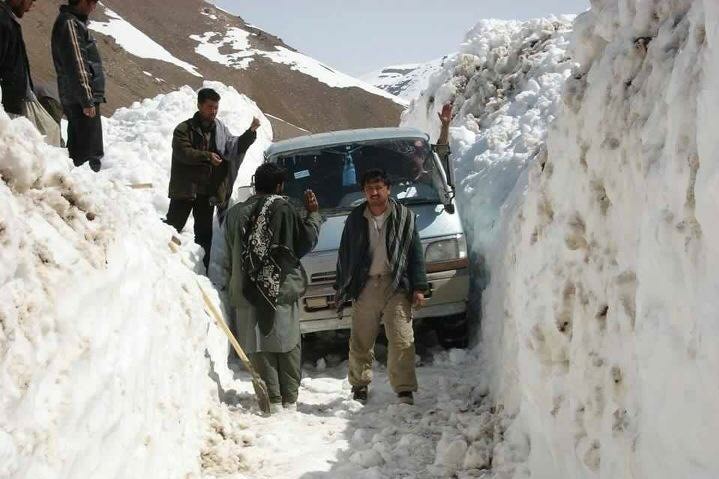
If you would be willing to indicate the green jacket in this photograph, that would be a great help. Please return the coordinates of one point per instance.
(354, 259)
(291, 230)
(192, 172)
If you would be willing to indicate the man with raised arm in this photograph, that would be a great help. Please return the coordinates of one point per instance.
(205, 159)
(264, 240)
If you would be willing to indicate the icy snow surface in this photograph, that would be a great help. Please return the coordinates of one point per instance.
(452, 427)
(136, 42)
(233, 48)
(102, 331)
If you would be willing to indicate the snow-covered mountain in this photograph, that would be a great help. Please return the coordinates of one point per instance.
(405, 81)
(149, 48)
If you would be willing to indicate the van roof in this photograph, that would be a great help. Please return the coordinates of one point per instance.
(341, 137)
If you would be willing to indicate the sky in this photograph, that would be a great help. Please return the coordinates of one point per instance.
(357, 37)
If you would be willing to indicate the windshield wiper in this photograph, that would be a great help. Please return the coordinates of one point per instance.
(337, 210)
(418, 201)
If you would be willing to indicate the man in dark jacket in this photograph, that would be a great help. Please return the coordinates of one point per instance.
(380, 268)
(14, 66)
(268, 324)
(80, 81)
(205, 161)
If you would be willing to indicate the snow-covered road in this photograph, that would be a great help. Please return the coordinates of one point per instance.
(332, 436)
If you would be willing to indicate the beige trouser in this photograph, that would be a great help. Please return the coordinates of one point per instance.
(379, 302)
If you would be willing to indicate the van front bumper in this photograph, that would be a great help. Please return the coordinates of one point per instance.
(447, 297)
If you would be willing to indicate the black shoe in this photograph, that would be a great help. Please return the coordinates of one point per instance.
(359, 393)
(95, 165)
(405, 397)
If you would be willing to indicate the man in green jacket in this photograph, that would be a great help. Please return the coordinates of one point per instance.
(205, 161)
(381, 269)
(264, 240)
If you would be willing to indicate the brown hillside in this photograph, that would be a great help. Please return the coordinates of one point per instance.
(289, 95)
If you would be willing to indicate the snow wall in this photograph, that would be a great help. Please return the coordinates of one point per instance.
(598, 254)
(103, 334)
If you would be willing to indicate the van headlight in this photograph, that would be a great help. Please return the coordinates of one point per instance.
(445, 250)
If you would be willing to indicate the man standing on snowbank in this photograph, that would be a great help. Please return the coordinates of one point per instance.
(265, 238)
(205, 161)
(80, 82)
(14, 66)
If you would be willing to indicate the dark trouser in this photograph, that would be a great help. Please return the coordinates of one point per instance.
(84, 135)
(281, 372)
(202, 212)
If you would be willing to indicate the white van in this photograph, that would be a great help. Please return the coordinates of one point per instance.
(331, 165)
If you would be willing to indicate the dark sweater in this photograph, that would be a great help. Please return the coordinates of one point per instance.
(14, 66)
(80, 77)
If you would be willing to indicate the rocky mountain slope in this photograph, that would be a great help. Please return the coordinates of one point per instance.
(150, 49)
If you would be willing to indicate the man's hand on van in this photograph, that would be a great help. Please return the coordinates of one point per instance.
(418, 299)
(311, 202)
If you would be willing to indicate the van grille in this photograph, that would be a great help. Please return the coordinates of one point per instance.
(326, 277)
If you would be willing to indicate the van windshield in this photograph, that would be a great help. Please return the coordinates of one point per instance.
(334, 173)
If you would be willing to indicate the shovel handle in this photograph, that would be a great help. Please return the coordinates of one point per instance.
(223, 326)
(217, 316)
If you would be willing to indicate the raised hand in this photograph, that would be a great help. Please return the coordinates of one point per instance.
(445, 116)
(311, 203)
(255, 124)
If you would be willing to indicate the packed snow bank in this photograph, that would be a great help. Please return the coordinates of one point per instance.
(598, 320)
(506, 85)
(611, 284)
(103, 335)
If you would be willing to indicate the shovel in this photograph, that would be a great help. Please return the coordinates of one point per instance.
(263, 397)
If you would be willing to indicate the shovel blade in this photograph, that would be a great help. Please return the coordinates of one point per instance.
(262, 394)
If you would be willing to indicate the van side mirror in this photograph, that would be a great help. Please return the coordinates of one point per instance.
(447, 165)
(243, 193)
